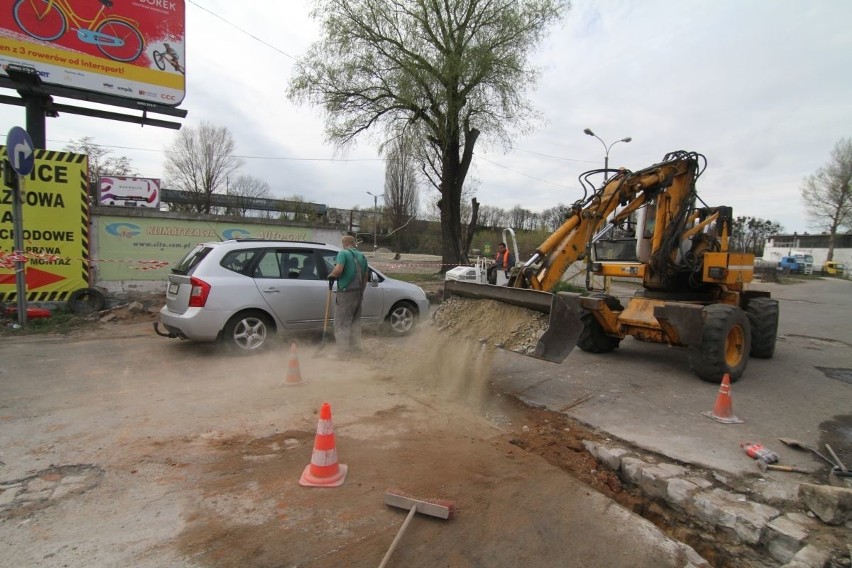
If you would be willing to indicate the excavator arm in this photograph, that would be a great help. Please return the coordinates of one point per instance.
(671, 183)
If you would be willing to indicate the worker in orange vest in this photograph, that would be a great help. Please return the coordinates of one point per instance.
(503, 260)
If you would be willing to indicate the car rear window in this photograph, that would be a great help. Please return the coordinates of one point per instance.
(239, 260)
(191, 260)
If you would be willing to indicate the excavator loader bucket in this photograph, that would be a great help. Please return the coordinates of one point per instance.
(559, 336)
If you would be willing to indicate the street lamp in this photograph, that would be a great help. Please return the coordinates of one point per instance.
(376, 221)
(606, 148)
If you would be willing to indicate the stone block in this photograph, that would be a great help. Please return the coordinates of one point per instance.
(785, 536)
(631, 469)
(654, 480)
(833, 505)
(679, 491)
(611, 457)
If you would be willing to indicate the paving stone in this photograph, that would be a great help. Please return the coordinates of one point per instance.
(785, 537)
(654, 480)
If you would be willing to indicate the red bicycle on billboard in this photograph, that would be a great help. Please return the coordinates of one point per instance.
(115, 36)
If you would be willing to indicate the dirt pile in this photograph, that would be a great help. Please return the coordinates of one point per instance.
(488, 321)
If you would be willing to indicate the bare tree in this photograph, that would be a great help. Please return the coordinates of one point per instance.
(402, 189)
(101, 160)
(828, 194)
(200, 161)
(244, 189)
(748, 234)
(447, 71)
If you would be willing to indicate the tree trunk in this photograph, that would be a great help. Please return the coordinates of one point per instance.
(453, 173)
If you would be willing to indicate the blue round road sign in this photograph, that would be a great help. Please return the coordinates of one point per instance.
(19, 147)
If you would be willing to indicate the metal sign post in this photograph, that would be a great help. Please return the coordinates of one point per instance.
(19, 147)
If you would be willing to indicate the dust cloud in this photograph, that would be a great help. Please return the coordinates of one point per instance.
(452, 355)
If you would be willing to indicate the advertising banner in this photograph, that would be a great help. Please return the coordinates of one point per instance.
(129, 191)
(55, 212)
(146, 249)
(132, 49)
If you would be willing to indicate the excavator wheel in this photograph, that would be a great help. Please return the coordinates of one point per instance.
(763, 317)
(592, 338)
(725, 344)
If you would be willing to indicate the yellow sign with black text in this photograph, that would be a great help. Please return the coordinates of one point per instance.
(55, 222)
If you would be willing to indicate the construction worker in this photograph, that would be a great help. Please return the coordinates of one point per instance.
(352, 275)
(503, 260)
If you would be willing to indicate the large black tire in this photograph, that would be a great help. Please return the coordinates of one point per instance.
(86, 301)
(725, 344)
(763, 317)
(248, 332)
(592, 338)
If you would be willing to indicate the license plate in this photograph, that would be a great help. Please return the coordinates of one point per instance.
(173, 288)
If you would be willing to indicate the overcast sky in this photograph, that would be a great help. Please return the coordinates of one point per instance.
(762, 88)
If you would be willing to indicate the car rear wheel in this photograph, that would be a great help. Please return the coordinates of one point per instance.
(248, 332)
(401, 319)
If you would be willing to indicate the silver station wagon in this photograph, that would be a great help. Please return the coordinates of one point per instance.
(244, 291)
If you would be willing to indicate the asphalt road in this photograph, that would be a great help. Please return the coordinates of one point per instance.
(647, 395)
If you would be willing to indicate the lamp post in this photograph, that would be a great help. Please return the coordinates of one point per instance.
(606, 149)
(376, 220)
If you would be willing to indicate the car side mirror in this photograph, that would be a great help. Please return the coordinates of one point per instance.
(374, 279)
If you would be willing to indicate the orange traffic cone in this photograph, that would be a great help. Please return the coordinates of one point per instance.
(324, 471)
(723, 410)
(294, 374)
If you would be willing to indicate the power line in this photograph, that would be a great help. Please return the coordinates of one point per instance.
(526, 175)
(244, 157)
(249, 34)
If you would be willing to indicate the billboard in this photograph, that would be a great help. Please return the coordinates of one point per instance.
(146, 248)
(55, 212)
(132, 49)
(129, 191)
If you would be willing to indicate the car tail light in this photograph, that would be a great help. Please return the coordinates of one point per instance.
(198, 294)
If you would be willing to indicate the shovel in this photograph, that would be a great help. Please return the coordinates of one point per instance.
(325, 321)
(802, 446)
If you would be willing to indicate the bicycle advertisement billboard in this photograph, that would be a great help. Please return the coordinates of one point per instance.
(132, 49)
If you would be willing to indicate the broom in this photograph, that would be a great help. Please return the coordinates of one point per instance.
(439, 508)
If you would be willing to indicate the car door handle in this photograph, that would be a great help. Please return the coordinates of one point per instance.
(271, 291)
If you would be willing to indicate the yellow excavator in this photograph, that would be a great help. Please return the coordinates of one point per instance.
(694, 291)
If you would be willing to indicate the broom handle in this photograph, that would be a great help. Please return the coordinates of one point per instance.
(398, 536)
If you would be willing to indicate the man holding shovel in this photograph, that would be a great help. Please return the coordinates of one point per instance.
(351, 274)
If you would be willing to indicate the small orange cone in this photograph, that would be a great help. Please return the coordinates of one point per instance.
(324, 471)
(723, 409)
(294, 374)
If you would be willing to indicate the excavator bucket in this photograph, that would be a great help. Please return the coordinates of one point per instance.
(541, 325)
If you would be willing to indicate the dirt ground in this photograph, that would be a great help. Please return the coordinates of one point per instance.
(231, 488)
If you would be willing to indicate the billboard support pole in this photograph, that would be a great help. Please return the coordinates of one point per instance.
(37, 106)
